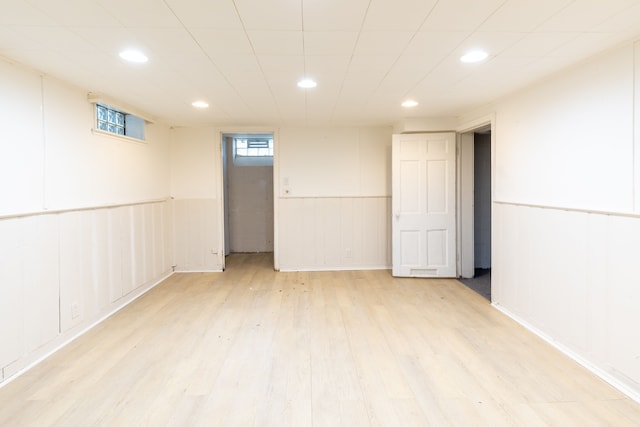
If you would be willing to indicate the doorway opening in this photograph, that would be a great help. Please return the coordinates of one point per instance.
(476, 210)
(247, 167)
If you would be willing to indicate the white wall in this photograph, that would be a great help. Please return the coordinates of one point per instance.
(566, 228)
(21, 141)
(197, 198)
(335, 162)
(84, 222)
(335, 198)
(339, 185)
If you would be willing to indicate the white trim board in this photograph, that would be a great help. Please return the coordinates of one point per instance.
(601, 373)
(63, 341)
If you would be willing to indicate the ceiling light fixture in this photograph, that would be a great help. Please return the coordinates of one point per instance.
(409, 103)
(474, 56)
(200, 104)
(134, 56)
(307, 83)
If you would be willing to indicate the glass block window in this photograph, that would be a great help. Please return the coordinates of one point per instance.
(110, 120)
(118, 122)
(253, 147)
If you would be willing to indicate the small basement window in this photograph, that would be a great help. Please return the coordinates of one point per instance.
(253, 147)
(253, 150)
(112, 120)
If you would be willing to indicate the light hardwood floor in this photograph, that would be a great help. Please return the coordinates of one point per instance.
(354, 348)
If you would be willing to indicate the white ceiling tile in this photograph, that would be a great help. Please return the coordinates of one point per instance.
(328, 74)
(447, 15)
(19, 12)
(497, 76)
(583, 15)
(356, 89)
(491, 42)
(216, 42)
(57, 39)
(291, 101)
(328, 66)
(247, 85)
(382, 42)
(12, 40)
(435, 43)
(398, 15)
(323, 96)
(585, 45)
(523, 15)
(627, 20)
(406, 73)
(230, 64)
(499, 79)
(112, 41)
(542, 67)
(326, 97)
(284, 88)
(395, 89)
(334, 15)
(370, 66)
(261, 103)
(537, 44)
(446, 74)
(165, 40)
(329, 42)
(460, 15)
(62, 66)
(276, 42)
(141, 13)
(200, 49)
(271, 15)
(72, 12)
(220, 15)
(292, 65)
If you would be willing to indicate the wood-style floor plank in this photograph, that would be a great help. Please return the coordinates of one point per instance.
(254, 347)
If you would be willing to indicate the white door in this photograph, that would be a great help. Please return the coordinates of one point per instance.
(423, 205)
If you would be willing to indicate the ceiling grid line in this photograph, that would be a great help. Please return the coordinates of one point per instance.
(355, 45)
(257, 59)
(455, 49)
(404, 49)
(304, 64)
(367, 55)
(215, 65)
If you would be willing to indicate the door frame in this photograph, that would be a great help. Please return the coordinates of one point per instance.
(222, 182)
(465, 236)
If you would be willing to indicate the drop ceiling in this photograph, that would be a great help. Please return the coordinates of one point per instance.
(244, 57)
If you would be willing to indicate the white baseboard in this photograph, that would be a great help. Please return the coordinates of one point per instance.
(316, 268)
(605, 375)
(21, 366)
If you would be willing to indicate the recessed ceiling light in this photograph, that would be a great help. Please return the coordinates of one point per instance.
(307, 83)
(133, 56)
(200, 104)
(409, 103)
(474, 56)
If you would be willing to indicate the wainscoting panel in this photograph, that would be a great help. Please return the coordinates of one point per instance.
(64, 271)
(335, 233)
(196, 234)
(570, 276)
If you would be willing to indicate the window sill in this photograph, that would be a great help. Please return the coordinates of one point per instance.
(116, 136)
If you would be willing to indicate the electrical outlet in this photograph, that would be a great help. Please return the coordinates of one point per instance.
(75, 310)
(347, 253)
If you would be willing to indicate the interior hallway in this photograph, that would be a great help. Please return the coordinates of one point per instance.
(251, 346)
